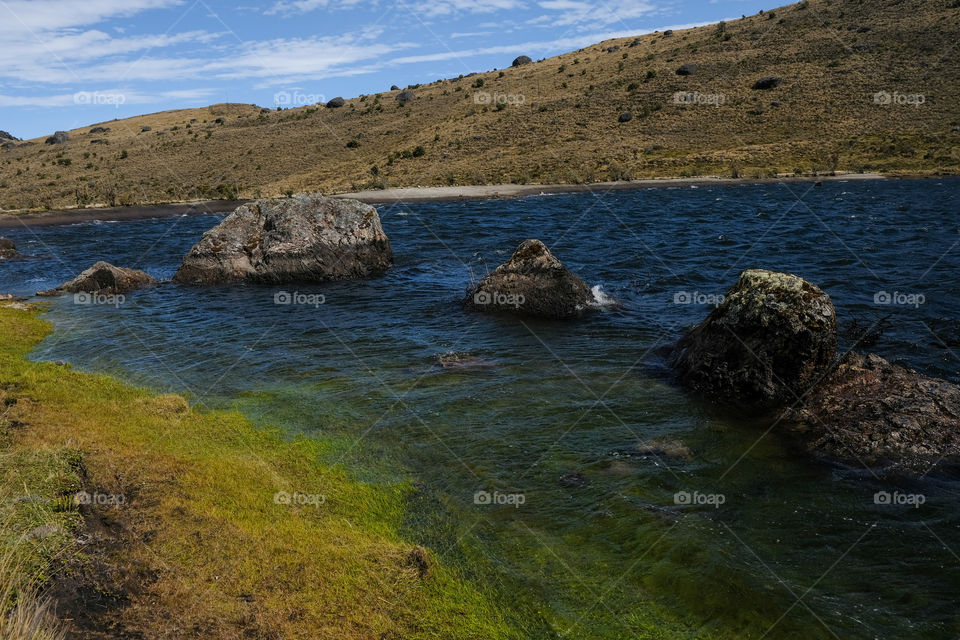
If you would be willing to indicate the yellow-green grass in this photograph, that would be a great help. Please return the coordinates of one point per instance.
(833, 57)
(200, 547)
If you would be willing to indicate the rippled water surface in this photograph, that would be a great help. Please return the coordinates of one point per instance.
(599, 548)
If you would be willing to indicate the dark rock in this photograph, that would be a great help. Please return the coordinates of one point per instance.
(865, 29)
(687, 70)
(220, 121)
(336, 103)
(6, 136)
(98, 141)
(145, 129)
(264, 111)
(573, 479)
(7, 249)
(8, 145)
(99, 129)
(533, 282)
(636, 42)
(60, 137)
(626, 116)
(307, 238)
(521, 60)
(613, 49)
(406, 96)
(668, 33)
(394, 88)
(765, 84)
(104, 278)
(869, 411)
(769, 341)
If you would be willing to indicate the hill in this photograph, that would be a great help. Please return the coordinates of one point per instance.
(860, 86)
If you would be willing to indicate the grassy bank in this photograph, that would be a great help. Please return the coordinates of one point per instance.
(187, 533)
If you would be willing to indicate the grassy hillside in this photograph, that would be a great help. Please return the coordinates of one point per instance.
(560, 120)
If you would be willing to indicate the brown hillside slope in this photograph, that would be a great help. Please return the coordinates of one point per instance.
(834, 57)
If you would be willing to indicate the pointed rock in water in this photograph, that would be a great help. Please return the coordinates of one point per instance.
(868, 411)
(104, 278)
(533, 282)
(7, 249)
(306, 238)
(772, 338)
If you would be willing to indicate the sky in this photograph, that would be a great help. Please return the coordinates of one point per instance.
(65, 64)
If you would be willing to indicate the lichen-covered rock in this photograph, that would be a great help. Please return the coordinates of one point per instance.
(772, 338)
(7, 249)
(104, 278)
(306, 238)
(533, 282)
(869, 411)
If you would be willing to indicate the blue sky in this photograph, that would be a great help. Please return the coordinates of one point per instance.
(69, 63)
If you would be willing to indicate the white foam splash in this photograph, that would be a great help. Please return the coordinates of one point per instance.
(601, 300)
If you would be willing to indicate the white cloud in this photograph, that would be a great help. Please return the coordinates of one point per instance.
(42, 16)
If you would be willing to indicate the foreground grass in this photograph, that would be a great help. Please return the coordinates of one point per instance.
(184, 536)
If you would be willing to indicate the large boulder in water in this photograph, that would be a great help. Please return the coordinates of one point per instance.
(533, 282)
(306, 238)
(772, 338)
(868, 411)
(7, 249)
(104, 278)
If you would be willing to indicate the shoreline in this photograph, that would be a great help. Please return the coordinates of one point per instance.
(11, 219)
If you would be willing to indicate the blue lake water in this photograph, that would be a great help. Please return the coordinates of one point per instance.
(798, 549)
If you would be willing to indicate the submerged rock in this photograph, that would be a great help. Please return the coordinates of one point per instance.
(307, 238)
(104, 278)
(533, 282)
(772, 338)
(7, 249)
(872, 412)
(462, 360)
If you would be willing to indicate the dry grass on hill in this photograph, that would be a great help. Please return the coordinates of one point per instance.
(560, 119)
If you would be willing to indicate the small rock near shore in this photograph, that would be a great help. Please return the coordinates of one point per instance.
(772, 337)
(306, 238)
(104, 278)
(533, 282)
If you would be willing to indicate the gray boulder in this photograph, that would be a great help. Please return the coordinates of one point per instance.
(869, 411)
(533, 282)
(7, 249)
(336, 103)
(687, 70)
(771, 339)
(626, 116)
(6, 136)
(104, 278)
(307, 238)
(99, 129)
(59, 137)
(406, 96)
(519, 61)
(394, 88)
(145, 128)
